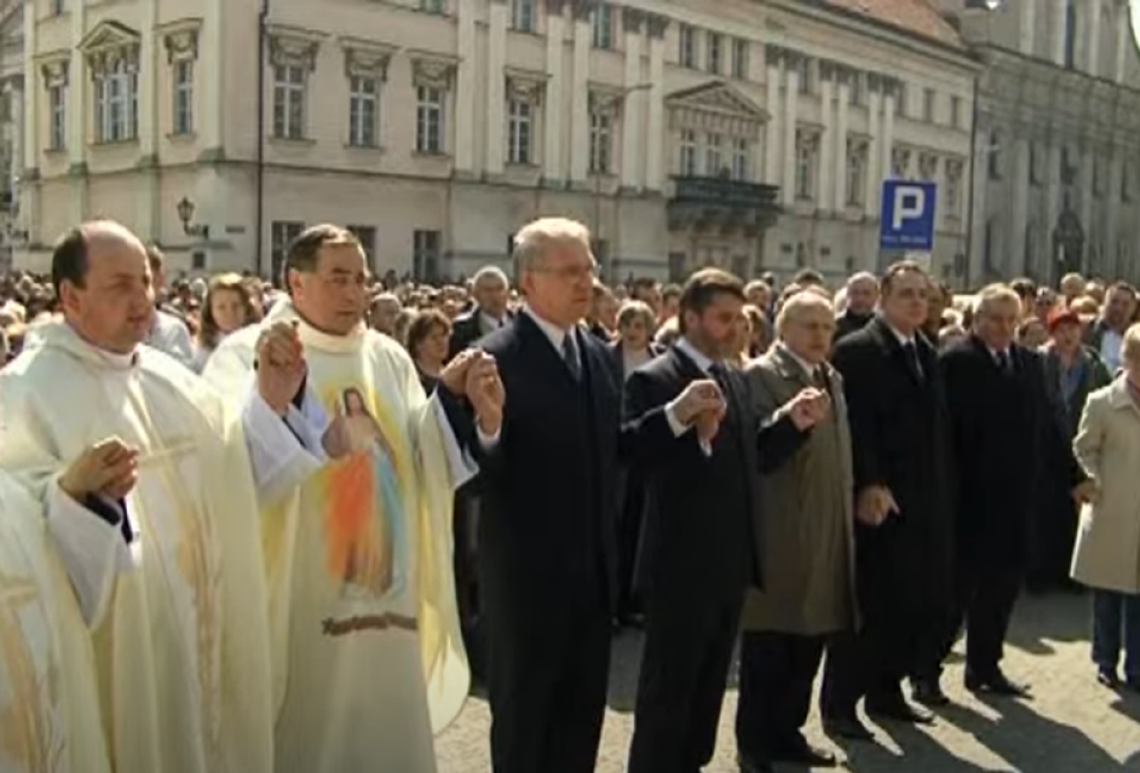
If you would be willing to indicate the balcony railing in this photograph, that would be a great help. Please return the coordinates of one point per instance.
(724, 192)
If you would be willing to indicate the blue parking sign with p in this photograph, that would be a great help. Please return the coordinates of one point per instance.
(907, 217)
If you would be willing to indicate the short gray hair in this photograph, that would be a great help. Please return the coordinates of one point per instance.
(863, 276)
(537, 238)
(993, 294)
(490, 272)
(805, 299)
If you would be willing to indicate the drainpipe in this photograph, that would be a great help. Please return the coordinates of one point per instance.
(262, 39)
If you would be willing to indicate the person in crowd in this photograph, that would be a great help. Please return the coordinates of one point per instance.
(809, 548)
(50, 702)
(808, 277)
(1107, 554)
(148, 489)
(634, 346)
(1072, 372)
(950, 334)
(758, 293)
(1045, 303)
(428, 338)
(168, 333)
(602, 318)
(548, 565)
(403, 321)
(359, 550)
(490, 289)
(1097, 290)
(382, 315)
(1107, 333)
(904, 547)
(670, 303)
(648, 291)
(759, 331)
(998, 407)
(1072, 287)
(229, 307)
(862, 294)
(1031, 333)
(1026, 290)
(699, 567)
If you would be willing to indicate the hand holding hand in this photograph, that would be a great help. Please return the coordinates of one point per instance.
(281, 367)
(454, 375)
(809, 407)
(1085, 492)
(874, 504)
(110, 468)
(336, 440)
(700, 398)
(486, 392)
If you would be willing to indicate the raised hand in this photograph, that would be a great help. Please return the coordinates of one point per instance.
(809, 407)
(485, 390)
(281, 367)
(454, 374)
(109, 467)
(700, 398)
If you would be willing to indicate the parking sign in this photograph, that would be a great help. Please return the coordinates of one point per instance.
(907, 217)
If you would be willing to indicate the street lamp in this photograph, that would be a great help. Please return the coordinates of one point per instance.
(186, 214)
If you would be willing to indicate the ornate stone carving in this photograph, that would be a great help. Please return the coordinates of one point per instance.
(290, 49)
(181, 40)
(874, 82)
(657, 25)
(773, 55)
(525, 88)
(555, 7)
(108, 44)
(632, 19)
(900, 161)
(582, 8)
(55, 72)
(362, 60)
(432, 73)
(605, 102)
(927, 166)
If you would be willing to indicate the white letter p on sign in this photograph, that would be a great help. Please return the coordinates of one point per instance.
(910, 202)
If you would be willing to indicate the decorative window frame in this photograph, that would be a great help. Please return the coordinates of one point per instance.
(530, 87)
(181, 39)
(294, 47)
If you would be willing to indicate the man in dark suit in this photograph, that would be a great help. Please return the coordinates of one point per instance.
(704, 536)
(1006, 441)
(904, 547)
(491, 290)
(547, 531)
(862, 294)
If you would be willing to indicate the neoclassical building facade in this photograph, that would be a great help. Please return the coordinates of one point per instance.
(1057, 156)
(752, 135)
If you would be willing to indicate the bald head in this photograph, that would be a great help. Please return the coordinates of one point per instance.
(74, 251)
(862, 293)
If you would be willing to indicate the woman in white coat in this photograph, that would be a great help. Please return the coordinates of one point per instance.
(1107, 553)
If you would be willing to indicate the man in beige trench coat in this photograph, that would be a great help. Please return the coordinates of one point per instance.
(809, 591)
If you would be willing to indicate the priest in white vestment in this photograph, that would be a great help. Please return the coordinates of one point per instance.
(368, 658)
(152, 503)
(49, 708)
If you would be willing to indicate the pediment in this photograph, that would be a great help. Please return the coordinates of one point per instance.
(109, 35)
(718, 97)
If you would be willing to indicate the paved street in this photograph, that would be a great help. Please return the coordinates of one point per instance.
(1072, 726)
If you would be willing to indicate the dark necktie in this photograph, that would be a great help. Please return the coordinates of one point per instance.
(819, 380)
(912, 360)
(1004, 364)
(570, 355)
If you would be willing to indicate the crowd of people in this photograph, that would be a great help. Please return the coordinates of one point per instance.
(260, 528)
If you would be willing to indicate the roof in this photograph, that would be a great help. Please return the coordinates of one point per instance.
(916, 17)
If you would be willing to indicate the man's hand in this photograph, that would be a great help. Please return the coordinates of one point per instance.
(874, 504)
(1085, 492)
(454, 374)
(485, 390)
(281, 367)
(700, 403)
(336, 440)
(110, 468)
(808, 408)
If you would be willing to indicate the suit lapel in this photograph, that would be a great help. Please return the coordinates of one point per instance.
(543, 348)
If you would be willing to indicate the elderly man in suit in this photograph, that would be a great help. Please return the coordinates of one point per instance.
(809, 547)
(491, 290)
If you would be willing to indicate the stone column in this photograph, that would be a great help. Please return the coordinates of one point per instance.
(874, 147)
(1027, 21)
(887, 146)
(1092, 39)
(580, 103)
(20, 88)
(824, 181)
(78, 118)
(496, 109)
(465, 113)
(1123, 43)
(842, 196)
(791, 95)
(1112, 238)
(1052, 208)
(632, 129)
(1020, 204)
(35, 86)
(1057, 23)
(655, 136)
(1085, 183)
(773, 172)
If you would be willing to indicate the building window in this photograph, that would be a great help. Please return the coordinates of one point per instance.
(601, 142)
(1071, 33)
(363, 112)
(900, 100)
(741, 159)
(927, 166)
(183, 96)
(900, 163)
(58, 7)
(714, 155)
(687, 53)
(425, 255)
(604, 26)
(688, 165)
(522, 15)
(289, 102)
(429, 119)
(953, 188)
(116, 104)
(740, 59)
(928, 105)
(520, 131)
(715, 45)
(282, 234)
(956, 112)
(994, 156)
(857, 93)
(57, 104)
(856, 174)
(805, 167)
(366, 235)
(433, 6)
(803, 69)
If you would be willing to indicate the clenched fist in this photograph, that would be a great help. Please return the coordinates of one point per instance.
(486, 392)
(808, 408)
(281, 367)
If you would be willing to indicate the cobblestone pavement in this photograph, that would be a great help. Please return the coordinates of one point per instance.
(1073, 725)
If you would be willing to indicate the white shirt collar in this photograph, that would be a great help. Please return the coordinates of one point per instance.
(902, 339)
(553, 332)
(808, 368)
(690, 351)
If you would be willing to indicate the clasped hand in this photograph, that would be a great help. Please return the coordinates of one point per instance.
(281, 367)
(474, 374)
(108, 468)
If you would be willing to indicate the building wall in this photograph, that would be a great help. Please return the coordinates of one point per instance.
(468, 196)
